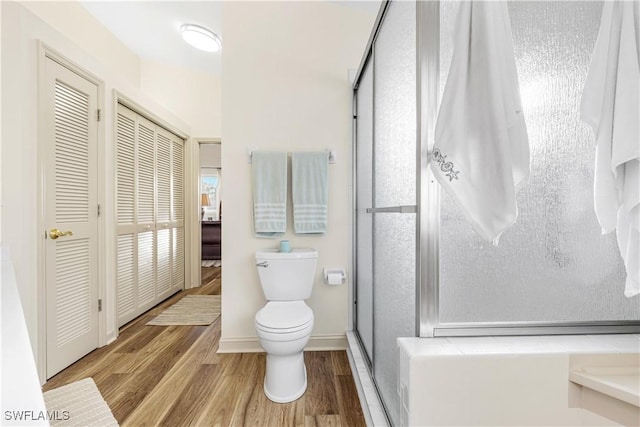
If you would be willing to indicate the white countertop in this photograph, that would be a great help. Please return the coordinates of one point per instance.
(21, 400)
(619, 382)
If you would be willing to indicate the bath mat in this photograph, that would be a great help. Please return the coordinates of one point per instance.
(190, 310)
(78, 404)
(209, 263)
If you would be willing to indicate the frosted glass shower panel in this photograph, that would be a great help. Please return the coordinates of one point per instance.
(394, 298)
(395, 107)
(553, 264)
(395, 153)
(364, 200)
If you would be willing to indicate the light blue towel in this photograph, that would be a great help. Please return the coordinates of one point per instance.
(269, 170)
(310, 191)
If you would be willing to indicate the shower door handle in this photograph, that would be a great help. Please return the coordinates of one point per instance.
(394, 209)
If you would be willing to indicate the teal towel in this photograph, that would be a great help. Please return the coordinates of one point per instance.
(310, 191)
(269, 170)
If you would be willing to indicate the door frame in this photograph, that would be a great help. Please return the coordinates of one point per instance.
(45, 52)
(192, 207)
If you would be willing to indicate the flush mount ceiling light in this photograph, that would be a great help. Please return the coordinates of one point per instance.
(200, 37)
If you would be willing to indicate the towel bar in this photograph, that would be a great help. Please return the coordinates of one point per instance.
(332, 154)
(394, 209)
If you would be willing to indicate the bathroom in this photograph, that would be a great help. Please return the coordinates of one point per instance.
(524, 312)
(418, 272)
(548, 299)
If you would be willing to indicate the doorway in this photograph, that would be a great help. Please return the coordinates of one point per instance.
(210, 184)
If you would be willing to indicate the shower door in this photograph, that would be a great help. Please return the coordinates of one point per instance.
(386, 194)
(553, 267)
(420, 269)
(364, 201)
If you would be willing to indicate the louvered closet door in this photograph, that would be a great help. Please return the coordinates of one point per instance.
(170, 219)
(177, 213)
(135, 189)
(70, 208)
(126, 214)
(163, 225)
(150, 233)
(145, 167)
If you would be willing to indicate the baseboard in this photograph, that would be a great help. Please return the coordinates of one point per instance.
(251, 344)
(111, 339)
(327, 342)
(239, 345)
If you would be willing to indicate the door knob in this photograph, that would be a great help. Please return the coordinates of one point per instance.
(54, 233)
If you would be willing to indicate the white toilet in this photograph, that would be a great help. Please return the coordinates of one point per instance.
(284, 325)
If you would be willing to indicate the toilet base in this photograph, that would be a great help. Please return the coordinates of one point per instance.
(286, 377)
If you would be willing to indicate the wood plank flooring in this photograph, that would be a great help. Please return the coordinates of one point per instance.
(172, 376)
(207, 274)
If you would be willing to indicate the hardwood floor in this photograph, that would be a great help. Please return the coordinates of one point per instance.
(207, 274)
(172, 376)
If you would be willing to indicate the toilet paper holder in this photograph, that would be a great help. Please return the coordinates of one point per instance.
(334, 276)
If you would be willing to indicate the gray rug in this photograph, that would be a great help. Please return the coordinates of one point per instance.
(190, 310)
(78, 404)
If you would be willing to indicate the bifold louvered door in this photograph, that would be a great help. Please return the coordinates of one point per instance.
(150, 214)
(71, 216)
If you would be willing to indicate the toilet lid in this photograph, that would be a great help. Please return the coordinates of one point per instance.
(284, 316)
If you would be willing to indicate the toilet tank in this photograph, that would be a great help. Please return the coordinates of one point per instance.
(286, 276)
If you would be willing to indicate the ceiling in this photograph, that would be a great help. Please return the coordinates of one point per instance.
(151, 29)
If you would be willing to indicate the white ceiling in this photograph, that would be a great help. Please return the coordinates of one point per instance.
(151, 29)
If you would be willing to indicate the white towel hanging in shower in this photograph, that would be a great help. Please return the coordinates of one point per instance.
(611, 105)
(481, 151)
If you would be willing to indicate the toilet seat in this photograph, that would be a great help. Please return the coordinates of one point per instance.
(284, 317)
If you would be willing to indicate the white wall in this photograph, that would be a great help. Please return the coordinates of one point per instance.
(192, 95)
(285, 87)
(75, 23)
(210, 156)
(20, 234)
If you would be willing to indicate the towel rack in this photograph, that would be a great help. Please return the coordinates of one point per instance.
(332, 154)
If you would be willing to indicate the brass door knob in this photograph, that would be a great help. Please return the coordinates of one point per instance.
(54, 233)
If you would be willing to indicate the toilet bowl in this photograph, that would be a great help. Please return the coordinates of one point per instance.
(284, 342)
(285, 323)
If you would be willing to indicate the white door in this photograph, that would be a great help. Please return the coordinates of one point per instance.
(71, 211)
(149, 214)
